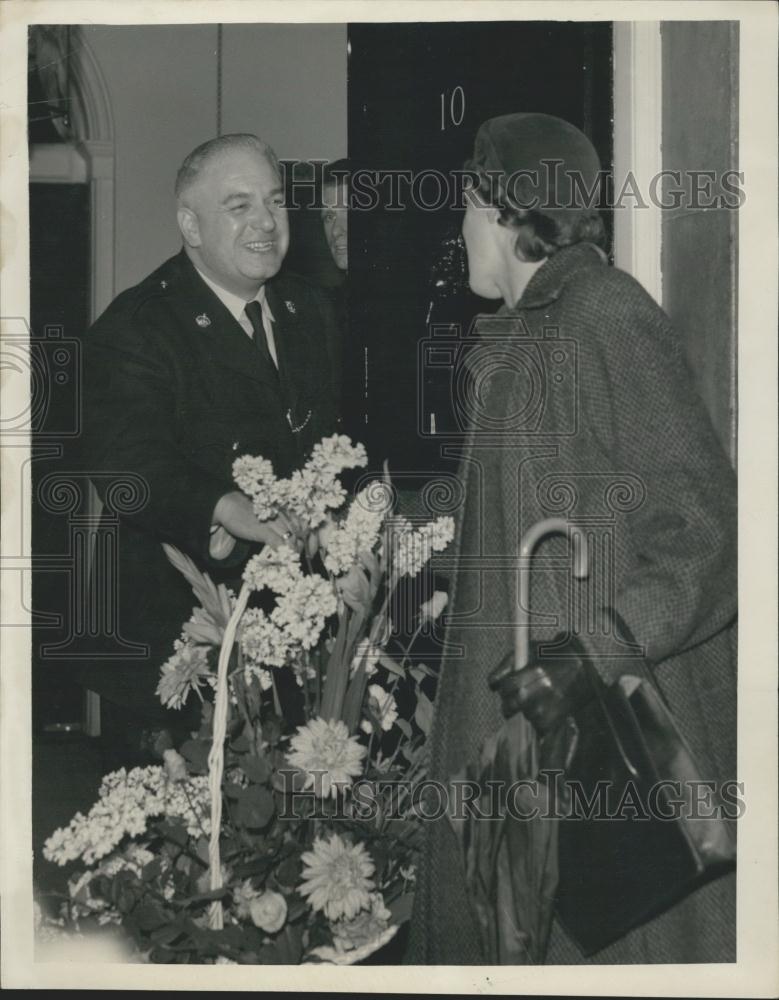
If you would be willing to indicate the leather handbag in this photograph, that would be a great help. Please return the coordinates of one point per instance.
(640, 827)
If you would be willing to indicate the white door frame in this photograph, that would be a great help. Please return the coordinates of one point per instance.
(638, 153)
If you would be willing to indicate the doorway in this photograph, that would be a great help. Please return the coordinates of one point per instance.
(417, 94)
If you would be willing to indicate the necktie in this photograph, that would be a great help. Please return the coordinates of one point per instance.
(254, 312)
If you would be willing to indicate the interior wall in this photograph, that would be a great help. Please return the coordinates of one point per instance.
(699, 257)
(287, 83)
(162, 83)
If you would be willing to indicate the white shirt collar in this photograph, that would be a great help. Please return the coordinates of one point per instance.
(234, 304)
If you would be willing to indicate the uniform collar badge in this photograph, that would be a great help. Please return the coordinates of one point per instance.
(202, 320)
(290, 306)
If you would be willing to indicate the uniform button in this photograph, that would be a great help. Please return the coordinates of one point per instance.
(235, 445)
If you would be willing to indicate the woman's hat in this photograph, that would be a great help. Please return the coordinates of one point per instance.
(537, 162)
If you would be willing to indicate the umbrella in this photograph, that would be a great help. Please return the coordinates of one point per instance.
(511, 862)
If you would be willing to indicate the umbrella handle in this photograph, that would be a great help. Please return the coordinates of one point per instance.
(531, 538)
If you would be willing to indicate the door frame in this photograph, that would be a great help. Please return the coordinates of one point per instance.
(638, 139)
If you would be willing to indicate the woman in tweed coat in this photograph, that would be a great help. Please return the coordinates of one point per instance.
(582, 407)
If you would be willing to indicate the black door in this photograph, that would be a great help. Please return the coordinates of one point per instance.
(417, 94)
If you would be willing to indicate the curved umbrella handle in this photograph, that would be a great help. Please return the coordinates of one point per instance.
(531, 538)
(581, 569)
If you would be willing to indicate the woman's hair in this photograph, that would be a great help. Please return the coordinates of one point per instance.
(541, 234)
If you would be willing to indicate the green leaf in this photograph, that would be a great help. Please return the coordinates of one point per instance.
(152, 870)
(174, 830)
(401, 908)
(423, 715)
(205, 897)
(167, 934)
(149, 917)
(288, 872)
(389, 664)
(419, 672)
(196, 753)
(254, 807)
(240, 744)
(271, 730)
(256, 769)
(404, 727)
(201, 583)
(287, 949)
(297, 909)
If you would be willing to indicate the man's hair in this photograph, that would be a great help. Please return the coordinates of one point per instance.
(191, 167)
(337, 172)
(541, 234)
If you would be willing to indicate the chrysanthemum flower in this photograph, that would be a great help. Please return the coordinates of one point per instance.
(187, 670)
(337, 877)
(327, 754)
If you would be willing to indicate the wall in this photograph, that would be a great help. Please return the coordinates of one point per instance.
(162, 83)
(700, 277)
(302, 70)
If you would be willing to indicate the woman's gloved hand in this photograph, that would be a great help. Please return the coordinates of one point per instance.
(546, 691)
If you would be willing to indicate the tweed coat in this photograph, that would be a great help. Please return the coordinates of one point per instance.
(585, 409)
(174, 391)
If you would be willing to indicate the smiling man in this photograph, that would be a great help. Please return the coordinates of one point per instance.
(215, 355)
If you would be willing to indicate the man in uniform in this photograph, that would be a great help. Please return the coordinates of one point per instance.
(213, 356)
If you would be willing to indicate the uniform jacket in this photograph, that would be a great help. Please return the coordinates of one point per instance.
(586, 410)
(174, 392)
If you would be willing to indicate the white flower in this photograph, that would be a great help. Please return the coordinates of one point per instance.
(413, 548)
(268, 912)
(367, 926)
(336, 877)
(382, 707)
(126, 802)
(357, 533)
(327, 754)
(367, 654)
(243, 896)
(409, 873)
(303, 610)
(431, 610)
(277, 569)
(336, 453)
(175, 765)
(264, 677)
(254, 475)
(187, 670)
(309, 492)
(295, 623)
(263, 642)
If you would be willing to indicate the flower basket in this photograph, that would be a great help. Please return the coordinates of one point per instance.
(285, 829)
